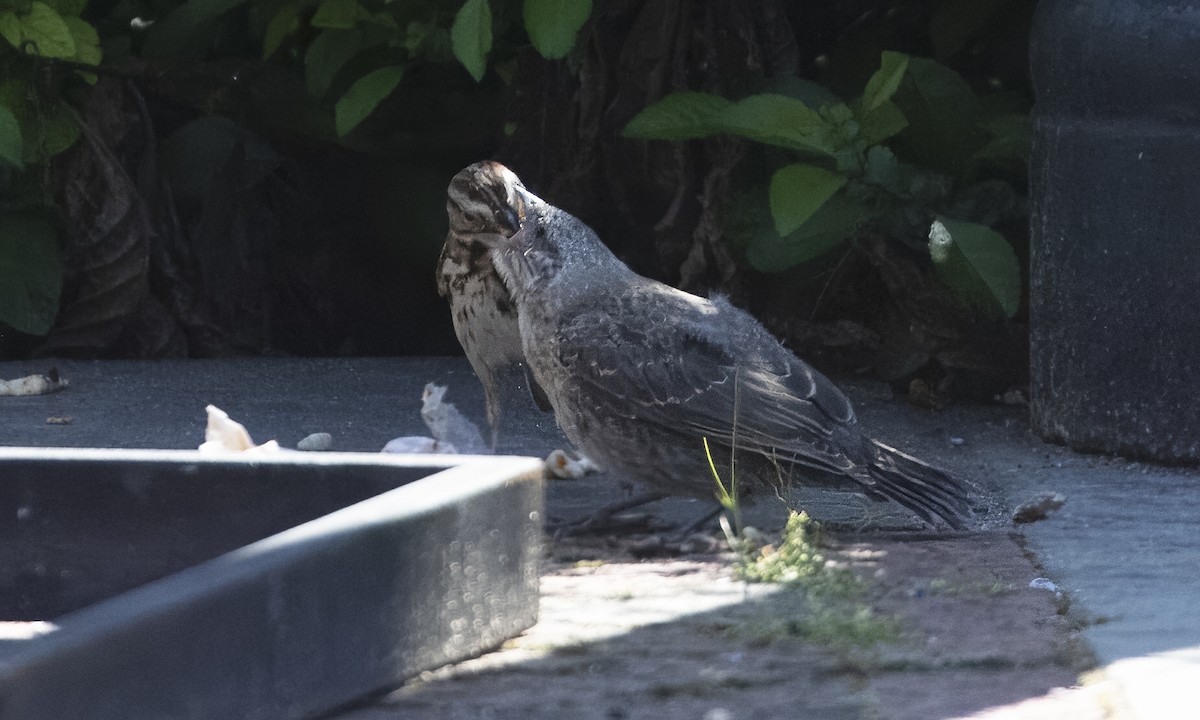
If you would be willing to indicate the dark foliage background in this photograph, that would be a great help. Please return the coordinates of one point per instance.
(223, 194)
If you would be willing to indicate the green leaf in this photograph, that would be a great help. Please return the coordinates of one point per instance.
(940, 87)
(678, 116)
(553, 24)
(880, 124)
(1011, 136)
(10, 28)
(15, 97)
(798, 191)
(471, 36)
(67, 8)
(285, 22)
(414, 35)
(44, 33)
(810, 93)
(778, 120)
(831, 225)
(364, 95)
(384, 22)
(87, 41)
(338, 14)
(838, 113)
(10, 138)
(49, 130)
(30, 274)
(977, 264)
(325, 57)
(942, 113)
(884, 83)
(841, 129)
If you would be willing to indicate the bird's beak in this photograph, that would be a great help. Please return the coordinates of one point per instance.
(497, 241)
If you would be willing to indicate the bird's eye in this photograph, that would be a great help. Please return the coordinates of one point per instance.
(508, 217)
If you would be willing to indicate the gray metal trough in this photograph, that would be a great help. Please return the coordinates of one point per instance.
(173, 584)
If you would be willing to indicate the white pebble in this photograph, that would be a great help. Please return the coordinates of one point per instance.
(316, 441)
(1044, 584)
(416, 444)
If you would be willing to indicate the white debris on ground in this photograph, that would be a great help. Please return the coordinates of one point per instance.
(225, 435)
(418, 444)
(448, 425)
(34, 384)
(25, 630)
(452, 431)
(1045, 583)
(316, 442)
(564, 467)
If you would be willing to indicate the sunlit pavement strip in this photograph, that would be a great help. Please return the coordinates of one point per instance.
(586, 604)
(1165, 685)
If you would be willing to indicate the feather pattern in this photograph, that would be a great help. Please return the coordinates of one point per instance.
(483, 201)
(639, 373)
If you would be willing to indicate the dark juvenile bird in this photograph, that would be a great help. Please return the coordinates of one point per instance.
(639, 373)
(482, 201)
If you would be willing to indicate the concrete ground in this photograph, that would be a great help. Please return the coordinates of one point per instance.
(620, 634)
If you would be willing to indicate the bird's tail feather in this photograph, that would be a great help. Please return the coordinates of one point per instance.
(937, 498)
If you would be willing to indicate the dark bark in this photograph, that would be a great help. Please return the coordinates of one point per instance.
(657, 204)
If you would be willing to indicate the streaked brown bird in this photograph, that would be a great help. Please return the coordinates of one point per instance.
(640, 373)
(484, 316)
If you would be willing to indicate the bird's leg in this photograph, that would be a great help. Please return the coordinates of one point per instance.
(573, 527)
(491, 402)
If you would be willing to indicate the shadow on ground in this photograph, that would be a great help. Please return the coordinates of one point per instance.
(681, 638)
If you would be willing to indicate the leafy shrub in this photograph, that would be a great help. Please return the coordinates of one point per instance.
(352, 55)
(355, 52)
(36, 123)
(901, 155)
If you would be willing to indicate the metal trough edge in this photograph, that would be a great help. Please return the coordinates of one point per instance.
(435, 571)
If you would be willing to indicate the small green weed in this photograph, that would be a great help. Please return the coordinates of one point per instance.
(797, 558)
(833, 610)
(584, 564)
(826, 604)
(728, 498)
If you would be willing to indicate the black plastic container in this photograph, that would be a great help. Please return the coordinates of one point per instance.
(180, 585)
(1115, 227)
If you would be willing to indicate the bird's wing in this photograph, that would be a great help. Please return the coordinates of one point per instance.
(707, 370)
(540, 398)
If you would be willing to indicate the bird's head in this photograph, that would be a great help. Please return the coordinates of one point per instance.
(488, 204)
(486, 199)
(532, 244)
